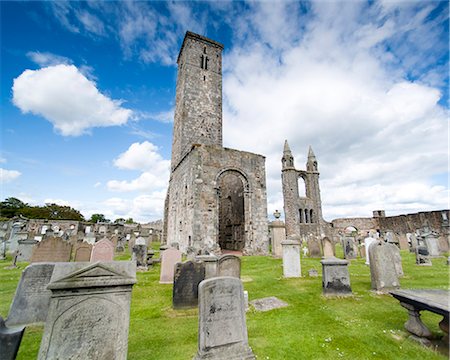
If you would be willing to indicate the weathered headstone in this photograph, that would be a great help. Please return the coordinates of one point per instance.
(328, 250)
(10, 339)
(169, 258)
(82, 251)
(210, 262)
(348, 244)
(335, 277)
(268, 303)
(432, 243)
(383, 271)
(291, 258)
(103, 250)
(51, 249)
(186, 279)
(222, 332)
(89, 311)
(229, 265)
(422, 256)
(367, 242)
(25, 249)
(278, 235)
(397, 259)
(140, 256)
(32, 299)
(314, 248)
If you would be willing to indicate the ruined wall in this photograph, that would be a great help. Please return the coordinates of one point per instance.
(194, 199)
(363, 225)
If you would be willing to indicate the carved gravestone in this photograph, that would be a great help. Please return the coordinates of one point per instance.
(229, 265)
(103, 250)
(314, 248)
(397, 259)
(89, 311)
(335, 277)
(169, 258)
(185, 284)
(383, 271)
(423, 256)
(10, 339)
(140, 256)
(348, 244)
(25, 249)
(83, 252)
(32, 299)
(222, 331)
(291, 258)
(210, 262)
(51, 249)
(328, 250)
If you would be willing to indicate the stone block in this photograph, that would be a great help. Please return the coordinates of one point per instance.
(335, 277)
(187, 277)
(291, 258)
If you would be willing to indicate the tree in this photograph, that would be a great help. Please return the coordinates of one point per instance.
(129, 221)
(95, 218)
(11, 207)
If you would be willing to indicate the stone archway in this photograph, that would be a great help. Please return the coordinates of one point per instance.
(232, 191)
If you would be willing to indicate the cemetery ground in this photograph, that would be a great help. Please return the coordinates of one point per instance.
(364, 326)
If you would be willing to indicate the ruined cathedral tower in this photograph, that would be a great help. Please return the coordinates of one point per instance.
(303, 214)
(216, 200)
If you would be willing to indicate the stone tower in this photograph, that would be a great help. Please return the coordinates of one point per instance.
(216, 200)
(198, 109)
(303, 214)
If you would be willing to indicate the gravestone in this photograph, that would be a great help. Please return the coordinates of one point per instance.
(102, 251)
(278, 235)
(268, 303)
(51, 249)
(314, 248)
(432, 243)
(335, 277)
(83, 252)
(313, 273)
(89, 238)
(222, 331)
(383, 272)
(229, 265)
(328, 250)
(348, 245)
(89, 311)
(140, 256)
(422, 256)
(185, 284)
(32, 299)
(10, 339)
(291, 258)
(367, 242)
(169, 258)
(25, 249)
(210, 262)
(397, 259)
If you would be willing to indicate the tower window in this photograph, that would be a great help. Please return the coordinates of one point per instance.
(204, 50)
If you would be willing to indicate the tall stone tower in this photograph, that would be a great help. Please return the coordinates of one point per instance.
(198, 109)
(303, 214)
(216, 200)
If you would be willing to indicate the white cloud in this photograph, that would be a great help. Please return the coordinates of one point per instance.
(44, 59)
(8, 175)
(66, 98)
(145, 182)
(2, 160)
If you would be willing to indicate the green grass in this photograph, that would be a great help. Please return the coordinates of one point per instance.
(364, 326)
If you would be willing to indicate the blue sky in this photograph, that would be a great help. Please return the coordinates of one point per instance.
(88, 93)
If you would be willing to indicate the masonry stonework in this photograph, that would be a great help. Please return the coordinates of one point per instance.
(216, 200)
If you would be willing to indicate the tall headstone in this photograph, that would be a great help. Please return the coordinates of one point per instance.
(229, 265)
(328, 250)
(103, 250)
(210, 262)
(314, 248)
(10, 339)
(335, 277)
(222, 330)
(187, 277)
(348, 244)
(278, 235)
(169, 258)
(291, 258)
(140, 256)
(383, 271)
(32, 299)
(51, 249)
(367, 242)
(89, 311)
(82, 251)
(25, 249)
(397, 259)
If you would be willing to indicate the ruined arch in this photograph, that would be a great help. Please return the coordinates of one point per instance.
(232, 201)
(301, 185)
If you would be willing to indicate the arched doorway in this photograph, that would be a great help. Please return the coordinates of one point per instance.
(231, 210)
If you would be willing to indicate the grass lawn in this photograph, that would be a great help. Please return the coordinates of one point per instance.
(365, 326)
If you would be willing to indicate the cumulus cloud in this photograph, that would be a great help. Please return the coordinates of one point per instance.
(65, 97)
(7, 176)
